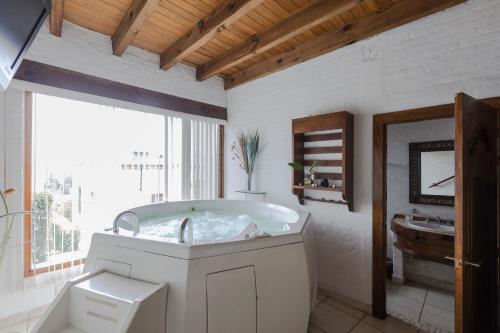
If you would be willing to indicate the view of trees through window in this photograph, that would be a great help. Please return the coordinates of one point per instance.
(90, 162)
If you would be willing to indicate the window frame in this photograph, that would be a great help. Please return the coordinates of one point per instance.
(29, 270)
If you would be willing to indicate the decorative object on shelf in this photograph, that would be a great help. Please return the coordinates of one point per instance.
(247, 150)
(322, 130)
(308, 175)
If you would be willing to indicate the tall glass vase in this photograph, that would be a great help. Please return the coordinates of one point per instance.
(249, 182)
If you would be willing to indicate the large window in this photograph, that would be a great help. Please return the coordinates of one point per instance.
(89, 162)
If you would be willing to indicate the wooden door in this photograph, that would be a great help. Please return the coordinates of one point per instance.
(475, 215)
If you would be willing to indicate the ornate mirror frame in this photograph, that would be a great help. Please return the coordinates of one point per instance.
(415, 150)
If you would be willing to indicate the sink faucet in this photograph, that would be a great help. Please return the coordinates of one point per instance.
(182, 228)
(115, 222)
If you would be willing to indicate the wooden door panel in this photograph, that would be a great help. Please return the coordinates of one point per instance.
(475, 215)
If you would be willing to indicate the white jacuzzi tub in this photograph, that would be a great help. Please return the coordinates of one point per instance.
(223, 279)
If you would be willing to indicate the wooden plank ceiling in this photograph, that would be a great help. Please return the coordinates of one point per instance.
(239, 40)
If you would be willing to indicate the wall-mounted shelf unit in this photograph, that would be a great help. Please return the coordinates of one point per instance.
(332, 136)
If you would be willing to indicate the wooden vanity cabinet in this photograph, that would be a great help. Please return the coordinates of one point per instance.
(423, 244)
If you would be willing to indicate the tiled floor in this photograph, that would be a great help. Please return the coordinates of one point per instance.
(432, 310)
(23, 327)
(330, 316)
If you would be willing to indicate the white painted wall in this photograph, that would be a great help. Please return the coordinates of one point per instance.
(11, 176)
(421, 64)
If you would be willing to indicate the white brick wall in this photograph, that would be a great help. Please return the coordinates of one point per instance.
(421, 64)
(12, 176)
(88, 52)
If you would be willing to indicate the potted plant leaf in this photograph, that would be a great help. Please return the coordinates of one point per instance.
(308, 175)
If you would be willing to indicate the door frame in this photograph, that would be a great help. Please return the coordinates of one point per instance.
(379, 188)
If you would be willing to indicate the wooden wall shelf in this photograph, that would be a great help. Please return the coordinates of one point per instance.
(317, 188)
(339, 126)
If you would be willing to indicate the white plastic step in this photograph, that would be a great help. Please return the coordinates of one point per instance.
(71, 329)
(106, 303)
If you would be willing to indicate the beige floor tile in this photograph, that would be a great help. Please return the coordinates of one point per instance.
(347, 309)
(404, 307)
(438, 317)
(13, 320)
(415, 292)
(389, 325)
(362, 327)
(33, 322)
(320, 298)
(441, 299)
(332, 320)
(321, 293)
(314, 329)
(18, 328)
(38, 311)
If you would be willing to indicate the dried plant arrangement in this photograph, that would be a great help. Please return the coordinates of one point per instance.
(246, 151)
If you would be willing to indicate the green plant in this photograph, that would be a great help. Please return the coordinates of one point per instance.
(296, 165)
(246, 150)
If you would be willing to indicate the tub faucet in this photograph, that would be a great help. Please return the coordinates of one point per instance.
(182, 228)
(115, 222)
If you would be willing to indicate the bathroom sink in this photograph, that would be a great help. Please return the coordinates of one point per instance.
(432, 227)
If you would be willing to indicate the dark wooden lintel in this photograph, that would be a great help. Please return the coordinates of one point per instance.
(53, 76)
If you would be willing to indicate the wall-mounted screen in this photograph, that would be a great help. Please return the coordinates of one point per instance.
(20, 21)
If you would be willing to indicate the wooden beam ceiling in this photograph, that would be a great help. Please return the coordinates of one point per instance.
(383, 4)
(228, 12)
(303, 20)
(56, 17)
(401, 13)
(132, 23)
(240, 40)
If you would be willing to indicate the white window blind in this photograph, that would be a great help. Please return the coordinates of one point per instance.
(204, 160)
(192, 160)
(174, 138)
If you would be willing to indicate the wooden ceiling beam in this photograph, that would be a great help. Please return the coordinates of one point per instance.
(56, 17)
(383, 4)
(228, 12)
(399, 14)
(132, 23)
(303, 20)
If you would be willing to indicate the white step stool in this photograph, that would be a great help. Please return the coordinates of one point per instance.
(103, 302)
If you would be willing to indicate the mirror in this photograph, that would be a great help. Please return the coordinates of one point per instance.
(432, 173)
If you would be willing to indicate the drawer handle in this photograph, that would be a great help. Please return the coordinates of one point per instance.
(466, 262)
(96, 300)
(103, 317)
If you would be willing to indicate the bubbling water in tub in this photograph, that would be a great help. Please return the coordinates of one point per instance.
(209, 225)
